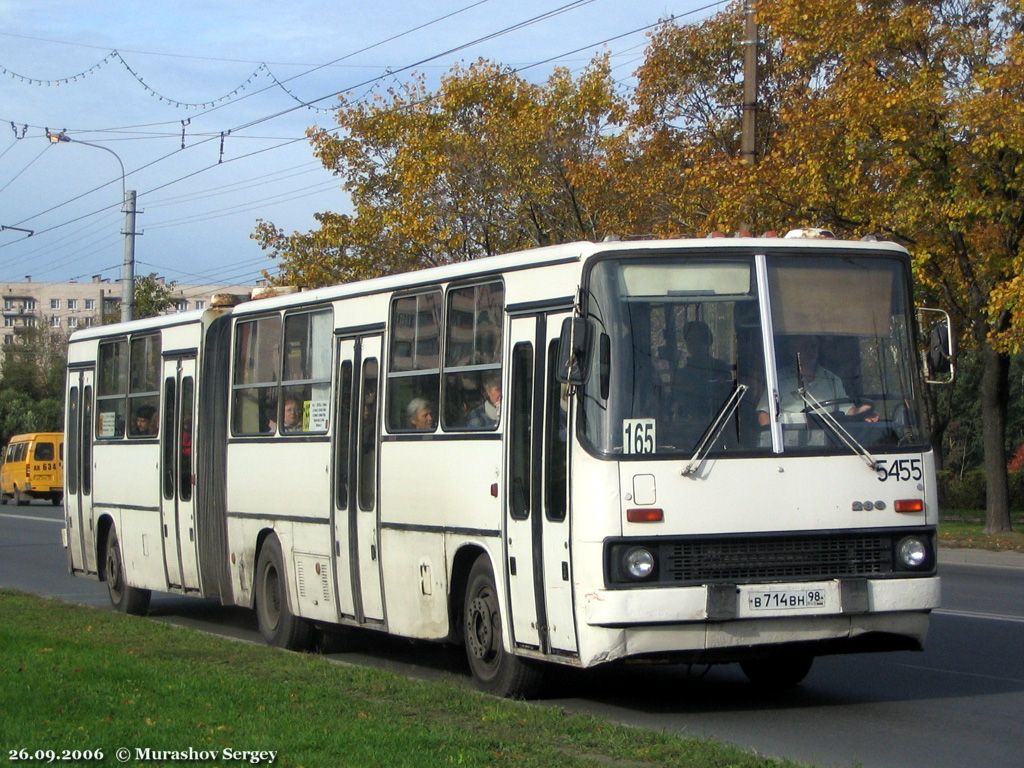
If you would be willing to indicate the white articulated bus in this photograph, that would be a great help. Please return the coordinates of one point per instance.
(702, 450)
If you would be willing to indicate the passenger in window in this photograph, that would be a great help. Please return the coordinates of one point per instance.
(485, 415)
(145, 420)
(699, 339)
(291, 417)
(820, 383)
(701, 386)
(420, 414)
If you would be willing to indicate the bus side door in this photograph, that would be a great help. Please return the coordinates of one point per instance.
(355, 518)
(177, 506)
(78, 517)
(538, 562)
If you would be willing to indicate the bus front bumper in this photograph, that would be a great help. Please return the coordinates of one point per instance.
(728, 602)
(724, 623)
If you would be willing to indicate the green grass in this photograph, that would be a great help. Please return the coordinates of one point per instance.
(966, 528)
(73, 677)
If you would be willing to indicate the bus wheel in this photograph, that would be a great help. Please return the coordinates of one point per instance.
(56, 499)
(124, 598)
(778, 672)
(20, 499)
(278, 625)
(494, 669)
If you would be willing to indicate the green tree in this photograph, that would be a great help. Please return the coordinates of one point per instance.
(34, 364)
(32, 378)
(153, 296)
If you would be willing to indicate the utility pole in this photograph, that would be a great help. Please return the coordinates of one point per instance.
(128, 265)
(748, 137)
(128, 198)
(748, 148)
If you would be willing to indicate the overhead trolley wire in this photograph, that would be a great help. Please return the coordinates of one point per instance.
(520, 25)
(30, 163)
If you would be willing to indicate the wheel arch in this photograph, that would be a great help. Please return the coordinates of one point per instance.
(462, 563)
(103, 528)
(261, 539)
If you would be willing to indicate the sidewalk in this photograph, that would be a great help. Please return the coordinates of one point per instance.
(985, 557)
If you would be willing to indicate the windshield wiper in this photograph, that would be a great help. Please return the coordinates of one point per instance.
(838, 429)
(717, 425)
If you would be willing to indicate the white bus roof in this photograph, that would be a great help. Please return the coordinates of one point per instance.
(577, 251)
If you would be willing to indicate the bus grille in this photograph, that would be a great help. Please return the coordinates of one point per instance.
(791, 558)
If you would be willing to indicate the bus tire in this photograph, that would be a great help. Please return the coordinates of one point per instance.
(20, 500)
(278, 625)
(777, 672)
(56, 499)
(124, 598)
(494, 669)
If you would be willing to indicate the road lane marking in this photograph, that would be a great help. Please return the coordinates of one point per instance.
(978, 615)
(32, 517)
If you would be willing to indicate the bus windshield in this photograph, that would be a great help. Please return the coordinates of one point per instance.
(678, 355)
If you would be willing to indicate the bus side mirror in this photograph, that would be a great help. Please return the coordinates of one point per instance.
(939, 357)
(572, 351)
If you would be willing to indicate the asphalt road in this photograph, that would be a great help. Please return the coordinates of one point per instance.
(959, 703)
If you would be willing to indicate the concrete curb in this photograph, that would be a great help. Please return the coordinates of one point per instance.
(980, 557)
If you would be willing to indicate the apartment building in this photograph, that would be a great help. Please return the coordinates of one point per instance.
(73, 305)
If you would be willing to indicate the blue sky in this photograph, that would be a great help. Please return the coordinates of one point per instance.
(198, 206)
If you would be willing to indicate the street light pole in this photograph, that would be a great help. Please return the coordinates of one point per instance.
(128, 198)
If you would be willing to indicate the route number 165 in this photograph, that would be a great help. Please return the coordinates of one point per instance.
(638, 436)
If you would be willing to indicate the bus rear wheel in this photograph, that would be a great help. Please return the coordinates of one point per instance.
(124, 598)
(777, 672)
(20, 499)
(495, 670)
(278, 625)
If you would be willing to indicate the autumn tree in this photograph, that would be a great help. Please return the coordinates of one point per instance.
(488, 163)
(901, 118)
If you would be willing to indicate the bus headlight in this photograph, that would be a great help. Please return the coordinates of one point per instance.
(638, 562)
(912, 553)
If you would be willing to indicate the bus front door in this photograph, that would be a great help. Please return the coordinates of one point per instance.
(354, 519)
(177, 473)
(78, 472)
(538, 563)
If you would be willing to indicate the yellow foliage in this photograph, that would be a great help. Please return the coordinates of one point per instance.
(902, 118)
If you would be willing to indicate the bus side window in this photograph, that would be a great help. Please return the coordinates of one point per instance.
(185, 439)
(520, 439)
(555, 441)
(86, 457)
(72, 427)
(111, 388)
(144, 387)
(368, 437)
(415, 359)
(306, 384)
(255, 376)
(472, 370)
(343, 437)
